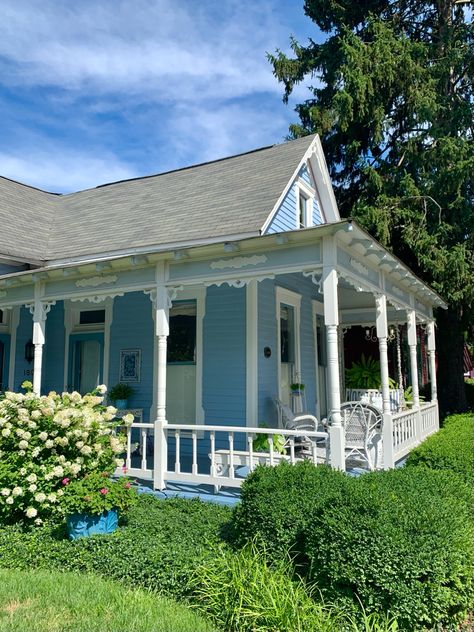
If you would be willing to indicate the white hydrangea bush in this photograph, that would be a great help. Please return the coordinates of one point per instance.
(46, 442)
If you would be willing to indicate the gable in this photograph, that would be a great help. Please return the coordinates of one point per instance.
(287, 215)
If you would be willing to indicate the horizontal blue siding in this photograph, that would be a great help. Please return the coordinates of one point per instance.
(224, 362)
(8, 269)
(285, 217)
(132, 328)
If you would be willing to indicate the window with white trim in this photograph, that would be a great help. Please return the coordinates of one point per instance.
(304, 204)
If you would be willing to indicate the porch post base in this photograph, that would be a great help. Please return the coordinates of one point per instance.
(337, 447)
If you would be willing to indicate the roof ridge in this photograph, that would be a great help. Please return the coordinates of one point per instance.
(29, 186)
(187, 167)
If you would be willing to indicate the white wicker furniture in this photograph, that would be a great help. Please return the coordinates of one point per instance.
(362, 427)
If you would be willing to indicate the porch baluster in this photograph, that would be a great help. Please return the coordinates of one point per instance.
(292, 450)
(250, 442)
(128, 459)
(177, 462)
(143, 447)
(213, 453)
(270, 445)
(195, 463)
(231, 455)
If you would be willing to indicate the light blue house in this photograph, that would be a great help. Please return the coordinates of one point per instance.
(210, 290)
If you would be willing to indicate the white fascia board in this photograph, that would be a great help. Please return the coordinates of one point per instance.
(307, 154)
(323, 183)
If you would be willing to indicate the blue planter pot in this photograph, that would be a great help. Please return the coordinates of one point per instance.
(84, 525)
(121, 404)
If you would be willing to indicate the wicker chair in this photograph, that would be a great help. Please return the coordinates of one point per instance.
(362, 425)
(303, 422)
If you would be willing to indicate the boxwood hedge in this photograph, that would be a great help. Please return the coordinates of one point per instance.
(452, 448)
(398, 541)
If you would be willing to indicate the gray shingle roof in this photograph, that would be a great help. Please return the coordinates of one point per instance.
(216, 199)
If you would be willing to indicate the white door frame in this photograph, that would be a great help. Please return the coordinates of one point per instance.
(293, 299)
(72, 311)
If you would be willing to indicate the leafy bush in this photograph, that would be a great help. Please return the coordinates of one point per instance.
(240, 592)
(277, 503)
(452, 448)
(159, 548)
(46, 440)
(402, 542)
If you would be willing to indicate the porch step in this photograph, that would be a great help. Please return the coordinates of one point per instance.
(228, 497)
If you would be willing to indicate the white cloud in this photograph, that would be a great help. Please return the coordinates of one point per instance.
(61, 170)
(160, 49)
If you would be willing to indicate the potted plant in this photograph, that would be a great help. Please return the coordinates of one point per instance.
(262, 444)
(92, 504)
(120, 394)
(297, 388)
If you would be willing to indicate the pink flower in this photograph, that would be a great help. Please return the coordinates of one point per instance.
(128, 485)
(104, 491)
(65, 481)
(124, 469)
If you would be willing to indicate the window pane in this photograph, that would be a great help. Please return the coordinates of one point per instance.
(182, 338)
(1, 316)
(92, 317)
(303, 205)
(287, 335)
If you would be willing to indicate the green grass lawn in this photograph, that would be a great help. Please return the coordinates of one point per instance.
(64, 602)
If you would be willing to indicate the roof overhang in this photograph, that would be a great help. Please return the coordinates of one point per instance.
(348, 233)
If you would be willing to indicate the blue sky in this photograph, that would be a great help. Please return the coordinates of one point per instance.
(93, 91)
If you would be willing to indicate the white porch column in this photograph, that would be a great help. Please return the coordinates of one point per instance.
(382, 333)
(432, 360)
(411, 315)
(161, 305)
(39, 311)
(331, 320)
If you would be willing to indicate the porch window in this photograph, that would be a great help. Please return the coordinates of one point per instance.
(182, 338)
(92, 317)
(1, 317)
(287, 342)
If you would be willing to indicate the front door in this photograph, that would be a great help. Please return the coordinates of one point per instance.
(182, 362)
(86, 354)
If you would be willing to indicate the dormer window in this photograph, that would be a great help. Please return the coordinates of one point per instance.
(304, 204)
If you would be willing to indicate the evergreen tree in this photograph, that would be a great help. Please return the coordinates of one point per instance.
(393, 102)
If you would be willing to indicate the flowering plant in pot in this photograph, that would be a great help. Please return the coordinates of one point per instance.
(120, 394)
(297, 388)
(92, 504)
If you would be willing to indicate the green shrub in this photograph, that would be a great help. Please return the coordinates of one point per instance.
(452, 448)
(401, 542)
(277, 503)
(240, 592)
(159, 548)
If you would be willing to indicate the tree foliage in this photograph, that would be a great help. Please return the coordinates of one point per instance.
(392, 99)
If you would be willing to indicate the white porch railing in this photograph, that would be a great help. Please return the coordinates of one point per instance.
(213, 455)
(403, 431)
(374, 397)
(224, 455)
